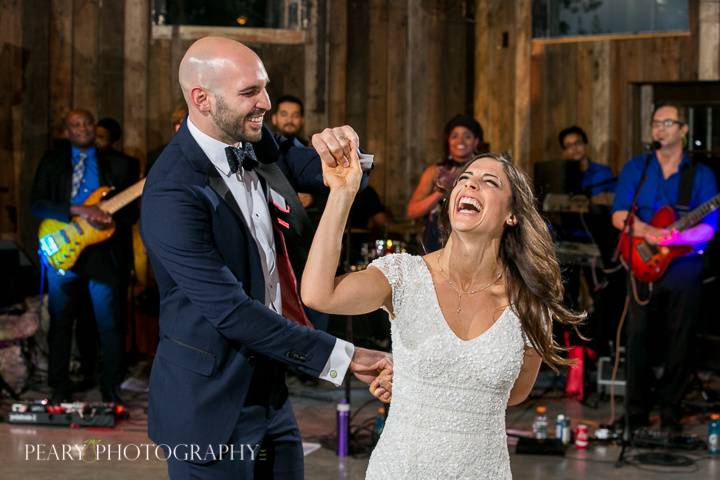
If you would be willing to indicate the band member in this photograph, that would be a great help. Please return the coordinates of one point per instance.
(596, 178)
(64, 179)
(672, 310)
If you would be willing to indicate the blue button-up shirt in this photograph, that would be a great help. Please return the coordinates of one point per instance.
(91, 177)
(658, 191)
(597, 173)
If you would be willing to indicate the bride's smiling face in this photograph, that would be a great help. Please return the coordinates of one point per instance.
(481, 199)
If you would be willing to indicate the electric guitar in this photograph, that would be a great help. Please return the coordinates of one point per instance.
(61, 243)
(649, 262)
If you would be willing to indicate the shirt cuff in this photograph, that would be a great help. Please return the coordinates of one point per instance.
(338, 363)
(366, 161)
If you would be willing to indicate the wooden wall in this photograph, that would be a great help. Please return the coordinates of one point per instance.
(396, 70)
(527, 90)
(409, 69)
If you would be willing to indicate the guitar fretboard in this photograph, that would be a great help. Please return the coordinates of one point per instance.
(696, 215)
(117, 202)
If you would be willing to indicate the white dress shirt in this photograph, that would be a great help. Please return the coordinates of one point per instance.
(245, 187)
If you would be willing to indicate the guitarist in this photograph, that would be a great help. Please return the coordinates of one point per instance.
(64, 179)
(664, 177)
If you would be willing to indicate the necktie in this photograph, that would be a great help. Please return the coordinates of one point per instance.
(77, 174)
(291, 304)
(244, 156)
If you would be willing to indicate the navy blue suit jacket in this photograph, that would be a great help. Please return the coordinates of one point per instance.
(213, 320)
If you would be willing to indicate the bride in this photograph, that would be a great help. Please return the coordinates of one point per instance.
(470, 323)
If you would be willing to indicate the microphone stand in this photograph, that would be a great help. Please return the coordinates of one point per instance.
(629, 227)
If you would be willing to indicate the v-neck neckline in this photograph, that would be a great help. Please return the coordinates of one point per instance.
(442, 314)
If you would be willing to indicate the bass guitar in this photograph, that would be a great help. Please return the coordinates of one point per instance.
(62, 243)
(649, 262)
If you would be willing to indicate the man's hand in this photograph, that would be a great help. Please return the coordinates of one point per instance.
(368, 364)
(335, 144)
(95, 216)
(655, 235)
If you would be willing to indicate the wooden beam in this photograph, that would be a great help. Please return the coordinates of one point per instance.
(337, 29)
(523, 58)
(244, 35)
(709, 40)
(61, 58)
(610, 36)
(110, 67)
(34, 113)
(377, 90)
(397, 163)
(316, 68)
(85, 43)
(137, 41)
(11, 56)
(599, 97)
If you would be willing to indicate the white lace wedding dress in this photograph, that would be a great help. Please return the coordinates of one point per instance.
(447, 417)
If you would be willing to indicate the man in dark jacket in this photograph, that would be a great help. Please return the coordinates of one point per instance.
(65, 178)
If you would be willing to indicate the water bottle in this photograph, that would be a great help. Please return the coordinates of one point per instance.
(714, 434)
(540, 424)
(559, 426)
(343, 428)
(379, 425)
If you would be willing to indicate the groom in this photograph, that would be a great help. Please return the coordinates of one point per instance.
(218, 220)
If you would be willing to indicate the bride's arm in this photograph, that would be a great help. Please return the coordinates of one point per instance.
(526, 378)
(353, 293)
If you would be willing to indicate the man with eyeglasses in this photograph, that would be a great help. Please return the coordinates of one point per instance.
(596, 178)
(672, 309)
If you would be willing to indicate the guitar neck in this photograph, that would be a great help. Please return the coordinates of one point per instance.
(697, 214)
(117, 202)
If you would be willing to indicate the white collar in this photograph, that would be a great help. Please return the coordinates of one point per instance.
(213, 148)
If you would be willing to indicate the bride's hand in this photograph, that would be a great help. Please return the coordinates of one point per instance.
(381, 387)
(344, 177)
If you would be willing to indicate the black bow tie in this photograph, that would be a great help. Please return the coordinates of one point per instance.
(244, 156)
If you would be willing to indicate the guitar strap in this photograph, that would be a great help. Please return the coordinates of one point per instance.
(687, 177)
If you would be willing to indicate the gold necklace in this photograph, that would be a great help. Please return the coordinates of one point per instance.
(459, 291)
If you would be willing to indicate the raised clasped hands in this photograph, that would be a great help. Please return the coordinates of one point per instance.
(374, 368)
(338, 150)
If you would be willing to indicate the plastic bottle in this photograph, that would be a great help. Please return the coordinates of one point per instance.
(540, 424)
(714, 434)
(343, 428)
(379, 425)
(559, 426)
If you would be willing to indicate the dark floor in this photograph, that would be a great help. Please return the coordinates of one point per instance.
(315, 411)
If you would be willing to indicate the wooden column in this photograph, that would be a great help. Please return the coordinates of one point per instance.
(11, 56)
(316, 68)
(709, 40)
(521, 120)
(398, 165)
(34, 113)
(61, 58)
(111, 32)
(337, 28)
(85, 55)
(137, 41)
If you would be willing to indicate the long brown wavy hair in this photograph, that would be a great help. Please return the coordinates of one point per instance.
(534, 283)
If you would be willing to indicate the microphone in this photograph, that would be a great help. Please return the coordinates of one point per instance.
(654, 145)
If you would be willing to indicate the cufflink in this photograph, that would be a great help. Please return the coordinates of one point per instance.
(333, 374)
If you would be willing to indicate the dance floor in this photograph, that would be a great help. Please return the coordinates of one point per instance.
(26, 452)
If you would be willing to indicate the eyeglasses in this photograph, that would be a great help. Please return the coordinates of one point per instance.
(576, 143)
(667, 123)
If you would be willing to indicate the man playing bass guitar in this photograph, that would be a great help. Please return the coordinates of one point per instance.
(668, 308)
